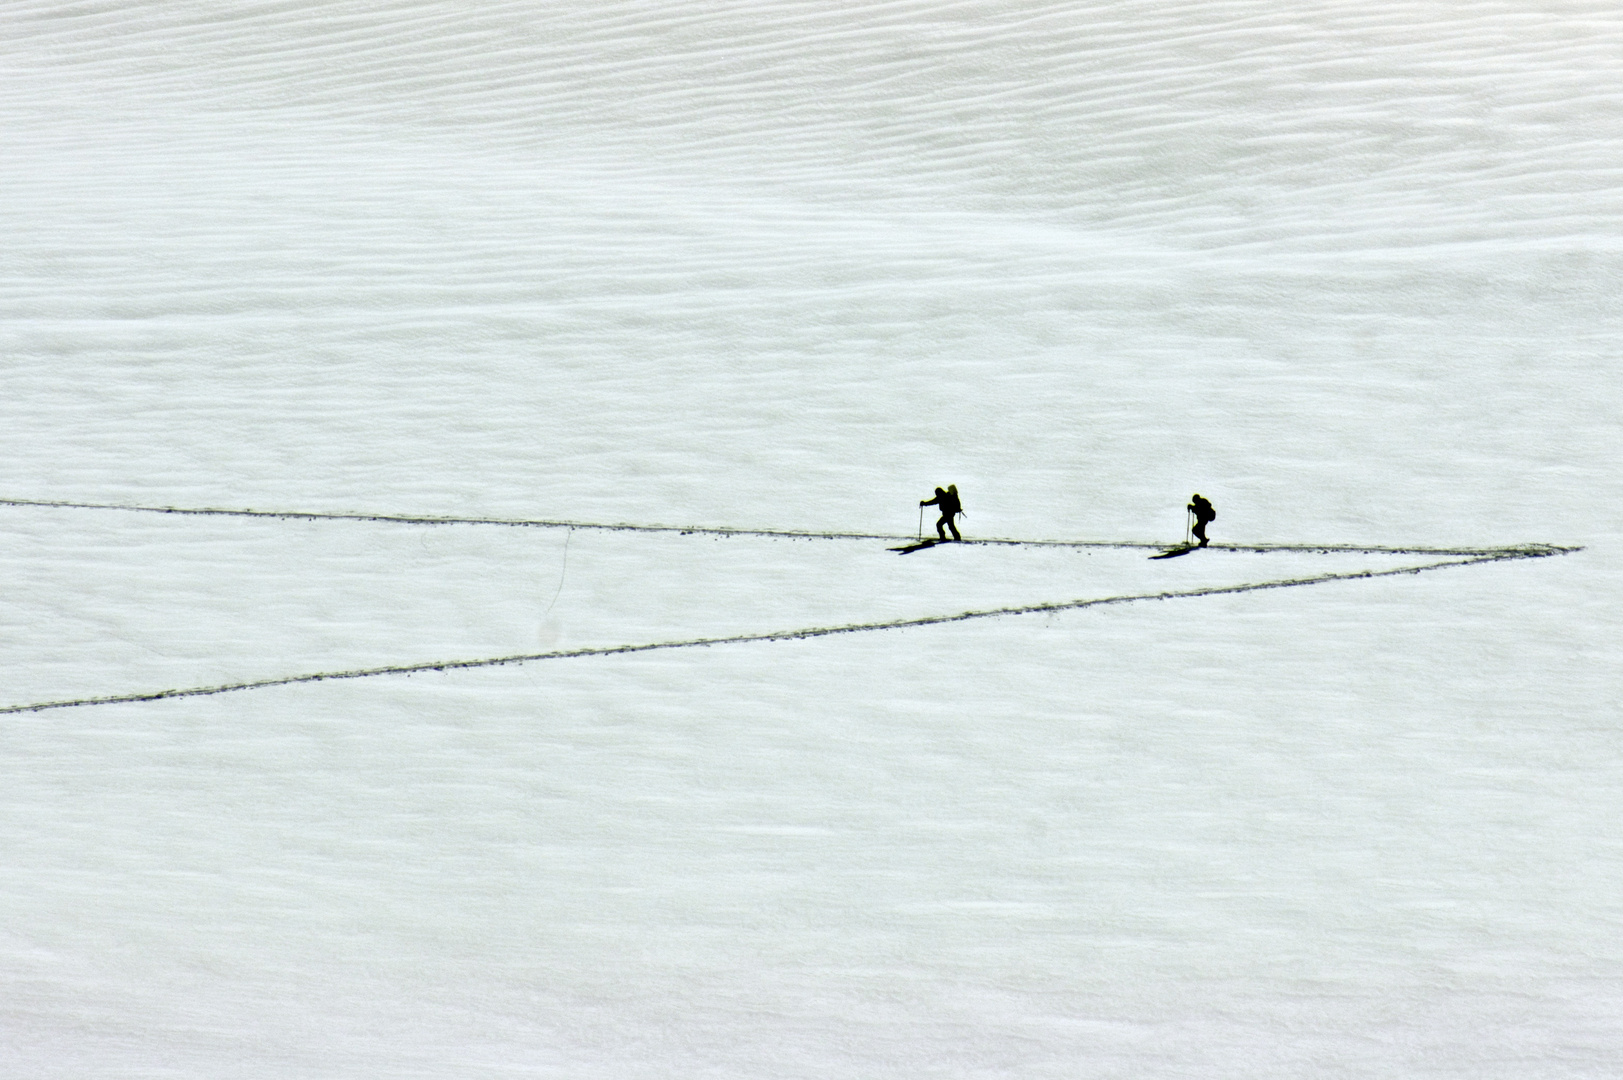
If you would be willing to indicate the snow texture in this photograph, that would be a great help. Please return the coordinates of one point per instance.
(775, 270)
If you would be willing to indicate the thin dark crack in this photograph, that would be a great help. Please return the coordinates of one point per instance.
(1491, 555)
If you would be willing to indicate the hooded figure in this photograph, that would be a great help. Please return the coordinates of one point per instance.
(1203, 513)
(950, 508)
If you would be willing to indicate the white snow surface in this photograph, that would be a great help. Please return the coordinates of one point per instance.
(1351, 270)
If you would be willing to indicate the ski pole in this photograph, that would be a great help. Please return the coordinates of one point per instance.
(921, 523)
(1188, 537)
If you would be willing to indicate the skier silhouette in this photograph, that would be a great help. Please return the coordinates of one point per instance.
(1203, 513)
(950, 508)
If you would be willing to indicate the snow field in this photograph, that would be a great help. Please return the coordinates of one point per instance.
(1350, 270)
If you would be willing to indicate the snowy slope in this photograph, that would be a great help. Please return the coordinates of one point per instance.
(1350, 270)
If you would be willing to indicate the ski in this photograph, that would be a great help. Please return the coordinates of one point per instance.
(1173, 553)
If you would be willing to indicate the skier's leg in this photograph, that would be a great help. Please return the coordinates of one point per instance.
(953, 525)
(939, 531)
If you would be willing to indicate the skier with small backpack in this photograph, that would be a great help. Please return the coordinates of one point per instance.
(1203, 513)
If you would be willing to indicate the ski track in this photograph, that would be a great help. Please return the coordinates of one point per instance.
(1462, 557)
(1524, 550)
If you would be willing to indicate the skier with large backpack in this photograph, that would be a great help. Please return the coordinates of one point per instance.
(950, 508)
